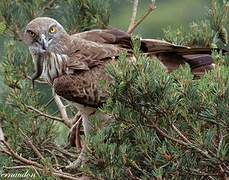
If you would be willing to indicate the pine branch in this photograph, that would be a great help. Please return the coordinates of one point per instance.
(151, 8)
(134, 14)
(48, 5)
(29, 163)
(180, 134)
(46, 115)
(20, 158)
(29, 141)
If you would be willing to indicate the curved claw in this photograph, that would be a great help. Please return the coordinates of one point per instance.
(79, 161)
(74, 134)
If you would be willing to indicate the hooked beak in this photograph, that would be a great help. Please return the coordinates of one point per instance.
(43, 42)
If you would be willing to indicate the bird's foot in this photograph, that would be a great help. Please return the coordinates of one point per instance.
(78, 162)
(74, 134)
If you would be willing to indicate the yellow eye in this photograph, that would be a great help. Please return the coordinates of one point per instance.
(52, 30)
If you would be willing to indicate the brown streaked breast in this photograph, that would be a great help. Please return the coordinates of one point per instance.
(83, 88)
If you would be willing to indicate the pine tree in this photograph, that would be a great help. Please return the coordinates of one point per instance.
(29, 116)
(167, 126)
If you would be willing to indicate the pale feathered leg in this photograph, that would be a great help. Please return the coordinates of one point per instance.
(86, 128)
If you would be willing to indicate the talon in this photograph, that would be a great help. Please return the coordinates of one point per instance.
(74, 134)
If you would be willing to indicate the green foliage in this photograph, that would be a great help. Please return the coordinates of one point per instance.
(152, 109)
(167, 126)
(23, 110)
(207, 33)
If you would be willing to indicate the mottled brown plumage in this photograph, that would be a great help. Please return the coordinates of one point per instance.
(82, 87)
(75, 64)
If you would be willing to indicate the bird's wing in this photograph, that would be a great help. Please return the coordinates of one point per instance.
(88, 60)
(91, 51)
(107, 36)
(170, 55)
(90, 54)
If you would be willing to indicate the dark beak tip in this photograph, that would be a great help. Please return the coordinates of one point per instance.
(44, 47)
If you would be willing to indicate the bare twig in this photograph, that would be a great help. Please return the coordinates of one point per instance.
(20, 158)
(199, 173)
(62, 109)
(167, 136)
(48, 5)
(134, 14)
(28, 163)
(148, 11)
(180, 134)
(204, 153)
(18, 167)
(81, 158)
(63, 151)
(28, 140)
(56, 160)
(55, 172)
(2, 137)
(222, 173)
(45, 115)
(49, 102)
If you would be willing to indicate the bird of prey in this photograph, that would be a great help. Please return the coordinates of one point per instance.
(73, 64)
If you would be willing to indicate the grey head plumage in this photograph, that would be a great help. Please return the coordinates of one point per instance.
(44, 34)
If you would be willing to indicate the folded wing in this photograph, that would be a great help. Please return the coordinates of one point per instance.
(170, 55)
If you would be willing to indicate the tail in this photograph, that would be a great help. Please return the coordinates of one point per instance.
(172, 56)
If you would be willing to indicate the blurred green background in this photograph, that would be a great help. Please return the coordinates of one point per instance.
(174, 13)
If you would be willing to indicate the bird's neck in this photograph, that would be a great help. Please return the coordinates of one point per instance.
(55, 60)
(54, 65)
(61, 45)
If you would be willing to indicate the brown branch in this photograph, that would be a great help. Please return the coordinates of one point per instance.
(36, 165)
(180, 134)
(55, 172)
(223, 174)
(204, 153)
(63, 151)
(134, 14)
(20, 158)
(28, 140)
(49, 102)
(2, 137)
(48, 5)
(18, 167)
(56, 160)
(151, 8)
(167, 136)
(199, 173)
(45, 115)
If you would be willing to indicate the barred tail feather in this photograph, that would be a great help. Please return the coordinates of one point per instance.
(199, 63)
